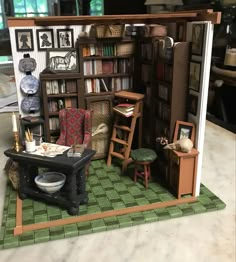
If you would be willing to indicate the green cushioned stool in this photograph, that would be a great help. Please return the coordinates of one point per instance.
(143, 157)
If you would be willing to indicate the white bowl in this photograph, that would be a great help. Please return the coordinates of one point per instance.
(50, 182)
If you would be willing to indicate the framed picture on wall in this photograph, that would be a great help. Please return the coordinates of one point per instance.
(194, 75)
(193, 104)
(62, 60)
(184, 130)
(45, 39)
(65, 38)
(197, 39)
(24, 40)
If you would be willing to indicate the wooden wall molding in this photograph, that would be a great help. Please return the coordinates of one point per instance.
(196, 15)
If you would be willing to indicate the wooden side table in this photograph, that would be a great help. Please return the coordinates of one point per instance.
(182, 172)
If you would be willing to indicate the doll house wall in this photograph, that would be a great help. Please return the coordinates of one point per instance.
(200, 118)
(205, 59)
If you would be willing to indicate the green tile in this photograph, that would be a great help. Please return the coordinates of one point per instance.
(125, 221)
(11, 242)
(150, 216)
(71, 230)
(198, 207)
(98, 225)
(26, 239)
(84, 228)
(41, 235)
(174, 211)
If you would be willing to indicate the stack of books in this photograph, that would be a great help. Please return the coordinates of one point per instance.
(76, 150)
(124, 109)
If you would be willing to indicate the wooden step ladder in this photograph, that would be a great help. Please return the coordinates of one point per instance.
(127, 130)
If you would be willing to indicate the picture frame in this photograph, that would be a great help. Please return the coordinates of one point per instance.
(184, 130)
(197, 39)
(65, 38)
(192, 104)
(45, 39)
(62, 59)
(24, 40)
(194, 75)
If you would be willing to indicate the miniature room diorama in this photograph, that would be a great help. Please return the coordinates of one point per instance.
(129, 92)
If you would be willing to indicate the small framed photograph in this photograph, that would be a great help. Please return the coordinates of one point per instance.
(24, 40)
(45, 39)
(65, 38)
(194, 75)
(62, 60)
(193, 104)
(184, 130)
(197, 39)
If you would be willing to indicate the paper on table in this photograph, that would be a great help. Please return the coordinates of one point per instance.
(49, 150)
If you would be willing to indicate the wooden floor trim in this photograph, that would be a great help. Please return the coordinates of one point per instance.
(20, 228)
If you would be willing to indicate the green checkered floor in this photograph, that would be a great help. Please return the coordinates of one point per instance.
(108, 190)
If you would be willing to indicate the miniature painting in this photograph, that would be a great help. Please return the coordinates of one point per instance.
(184, 130)
(65, 38)
(197, 39)
(45, 39)
(24, 40)
(62, 59)
(194, 76)
(193, 104)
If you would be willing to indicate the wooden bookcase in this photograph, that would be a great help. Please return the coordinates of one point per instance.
(107, 65)
(169, 90)
(60, 90)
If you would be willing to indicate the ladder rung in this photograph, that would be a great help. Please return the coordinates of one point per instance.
(117, 140)
(117, 155)
(125, 128)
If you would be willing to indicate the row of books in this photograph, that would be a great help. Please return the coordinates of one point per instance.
(60, 87)
(99, 50)
(146, 51)
(122, 66)
(54, 105)
(54, 123)
(108, 84)
(124, 109)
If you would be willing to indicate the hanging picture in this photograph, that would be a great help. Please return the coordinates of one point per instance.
(65, 60)
(65, 38)
(24, 40)
(194, 75)
(193, 104)
(45, 39)
(197, 39)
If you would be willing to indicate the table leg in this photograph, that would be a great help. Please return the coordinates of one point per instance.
(26, 178)
(73, 208)
(81, 186)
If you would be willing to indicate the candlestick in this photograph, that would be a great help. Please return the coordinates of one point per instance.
(17, 145)
(14, 123)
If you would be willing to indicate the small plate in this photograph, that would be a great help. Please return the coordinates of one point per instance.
(29, 85)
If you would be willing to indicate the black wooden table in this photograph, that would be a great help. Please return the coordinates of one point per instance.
(72, 194)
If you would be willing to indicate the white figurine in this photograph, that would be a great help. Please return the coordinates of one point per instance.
(184, 145)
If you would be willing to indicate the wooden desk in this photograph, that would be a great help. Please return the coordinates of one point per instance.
(72, 194)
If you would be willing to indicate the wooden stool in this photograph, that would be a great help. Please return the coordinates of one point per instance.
(143, 157)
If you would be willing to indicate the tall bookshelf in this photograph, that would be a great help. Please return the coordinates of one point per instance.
(165, 83)
(60, 90)
(107, 65)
